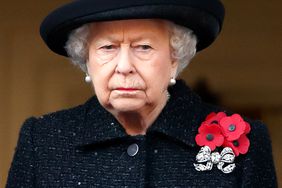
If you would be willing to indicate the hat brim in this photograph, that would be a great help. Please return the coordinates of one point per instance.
(205, 24)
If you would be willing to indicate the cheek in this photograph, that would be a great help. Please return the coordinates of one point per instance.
(158, 72)
(100, 74)
(156, 76)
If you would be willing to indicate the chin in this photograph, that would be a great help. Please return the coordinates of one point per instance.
(127, 105)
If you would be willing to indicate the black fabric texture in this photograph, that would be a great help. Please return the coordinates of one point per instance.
(86, 147)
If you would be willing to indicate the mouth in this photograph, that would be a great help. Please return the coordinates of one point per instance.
(126, 89)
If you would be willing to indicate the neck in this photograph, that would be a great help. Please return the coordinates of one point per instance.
(137, 123)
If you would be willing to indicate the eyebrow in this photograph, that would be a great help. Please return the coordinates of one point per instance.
(110, 38)
(144, 37)
(134, 38)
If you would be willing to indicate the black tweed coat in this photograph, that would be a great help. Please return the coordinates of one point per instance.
(86, 147)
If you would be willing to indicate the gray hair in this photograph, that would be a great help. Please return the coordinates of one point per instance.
(182, 41)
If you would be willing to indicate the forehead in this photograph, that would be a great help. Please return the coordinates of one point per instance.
(139, 28)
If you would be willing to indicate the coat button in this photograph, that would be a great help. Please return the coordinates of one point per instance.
(132, 150)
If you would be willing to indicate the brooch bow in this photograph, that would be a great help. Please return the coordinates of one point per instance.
(205, 155)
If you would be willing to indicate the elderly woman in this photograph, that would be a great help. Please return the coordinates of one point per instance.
(142, 128)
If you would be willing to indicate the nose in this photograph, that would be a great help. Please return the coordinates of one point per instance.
(125, 61)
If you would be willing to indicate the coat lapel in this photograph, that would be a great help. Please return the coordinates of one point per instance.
(179, 119)
(98, 125)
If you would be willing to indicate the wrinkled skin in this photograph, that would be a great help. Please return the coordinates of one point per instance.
(130, 66)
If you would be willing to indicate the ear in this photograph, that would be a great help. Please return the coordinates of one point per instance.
(174, 68)
(87, 65)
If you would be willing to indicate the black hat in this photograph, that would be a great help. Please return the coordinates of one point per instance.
(204, 17)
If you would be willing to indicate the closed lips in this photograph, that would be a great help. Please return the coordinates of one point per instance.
(127, 89)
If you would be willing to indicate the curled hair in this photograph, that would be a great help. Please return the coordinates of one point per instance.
(182, 41)
(77, 46)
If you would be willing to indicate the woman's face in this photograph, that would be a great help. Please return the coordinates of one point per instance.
(130, 64)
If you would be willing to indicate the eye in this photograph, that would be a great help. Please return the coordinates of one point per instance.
(143, 48)
(108, 47)
(106, 50)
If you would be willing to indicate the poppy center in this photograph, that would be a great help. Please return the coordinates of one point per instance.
(214, 122)
(236, 143)
(209, 137)
(232, 128)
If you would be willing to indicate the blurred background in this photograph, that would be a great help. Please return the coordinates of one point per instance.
(241, 71)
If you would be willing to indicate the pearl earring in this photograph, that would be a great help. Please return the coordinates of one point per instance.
(87, 78)
(172, 82)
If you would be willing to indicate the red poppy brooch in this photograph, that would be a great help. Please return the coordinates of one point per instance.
(220, 130)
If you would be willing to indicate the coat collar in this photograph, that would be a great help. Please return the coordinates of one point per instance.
(179, 119)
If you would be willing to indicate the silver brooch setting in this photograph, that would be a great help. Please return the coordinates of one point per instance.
(224, 160)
